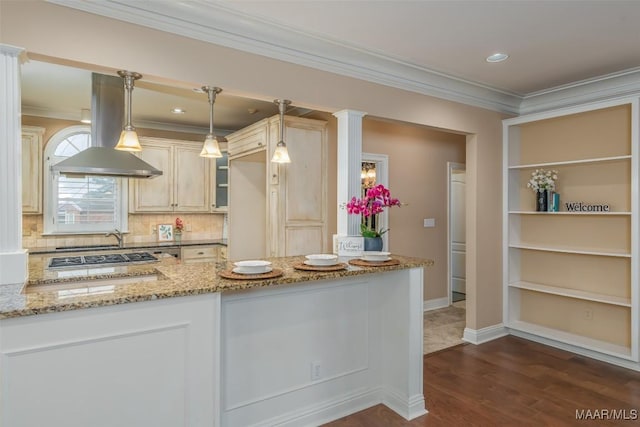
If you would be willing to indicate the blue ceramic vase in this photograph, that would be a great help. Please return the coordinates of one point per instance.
(373, 243)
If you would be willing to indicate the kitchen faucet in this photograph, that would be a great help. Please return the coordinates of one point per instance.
(118, 234)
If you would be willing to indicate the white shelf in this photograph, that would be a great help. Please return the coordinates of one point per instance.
(572, 162)
(572, 293)
(531, 142)
(571, 250)
(570, 213)
(572, 339)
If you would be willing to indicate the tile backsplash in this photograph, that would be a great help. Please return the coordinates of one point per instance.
(142, 229)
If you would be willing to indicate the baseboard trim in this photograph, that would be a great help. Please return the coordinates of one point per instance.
(629, 364)
(408, 408)
(347, 404)
(433, 304)
(327, 411)
(483, 335)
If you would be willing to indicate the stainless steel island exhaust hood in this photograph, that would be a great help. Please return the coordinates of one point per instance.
(107, 118)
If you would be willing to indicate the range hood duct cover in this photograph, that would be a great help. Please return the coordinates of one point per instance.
(107, 119)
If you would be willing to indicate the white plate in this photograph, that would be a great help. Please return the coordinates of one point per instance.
(321, 259)
(252, 267)
(241, 270)
(376, 260)
(375, 256)
(316, 264)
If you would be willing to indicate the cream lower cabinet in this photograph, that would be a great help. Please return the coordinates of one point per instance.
(185, 183)
(192, 254)
(571, 277)
(149, 363)
(32, 169)
(278, 209)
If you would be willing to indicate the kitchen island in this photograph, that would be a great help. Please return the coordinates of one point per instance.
(171, 344)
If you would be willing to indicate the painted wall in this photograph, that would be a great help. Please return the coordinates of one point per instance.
(418, 159)
(68, 36)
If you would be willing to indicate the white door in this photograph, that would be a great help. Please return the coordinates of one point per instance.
(457, 231)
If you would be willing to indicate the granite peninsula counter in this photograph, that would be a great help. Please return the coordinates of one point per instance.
(170, 344)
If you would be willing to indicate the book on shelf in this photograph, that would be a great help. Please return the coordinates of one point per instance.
(553, 201)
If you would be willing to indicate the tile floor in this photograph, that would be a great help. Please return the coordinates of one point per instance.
(444, 327)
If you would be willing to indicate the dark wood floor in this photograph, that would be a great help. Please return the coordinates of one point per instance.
(514, 382)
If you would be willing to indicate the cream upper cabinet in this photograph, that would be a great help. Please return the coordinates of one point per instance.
(32, 169)
(278, 209)
(184, 185)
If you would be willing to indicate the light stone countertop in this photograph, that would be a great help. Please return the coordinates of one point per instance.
(50, 291)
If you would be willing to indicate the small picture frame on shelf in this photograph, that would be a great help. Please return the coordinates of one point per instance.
(165, 232)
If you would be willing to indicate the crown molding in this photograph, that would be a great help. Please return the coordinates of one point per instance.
(623, 83)
(232, 29)
(247, 33)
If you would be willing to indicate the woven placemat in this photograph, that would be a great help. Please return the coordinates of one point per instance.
(320, 268)
(229, 274)
(363, 263)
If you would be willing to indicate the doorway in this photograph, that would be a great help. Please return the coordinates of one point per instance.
(375, 171)
(456, 271)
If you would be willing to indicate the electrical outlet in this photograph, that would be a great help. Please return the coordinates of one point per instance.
(316, 371)
(187, 227)
(588, 314)
(153, 229)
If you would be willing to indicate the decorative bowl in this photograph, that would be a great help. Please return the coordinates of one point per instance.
(321, 259)
(252, 267)
(375, 256)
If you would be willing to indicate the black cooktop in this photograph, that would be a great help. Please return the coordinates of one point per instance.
(93, 260)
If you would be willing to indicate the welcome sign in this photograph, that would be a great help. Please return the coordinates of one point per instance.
(586, 207)
(348, 245)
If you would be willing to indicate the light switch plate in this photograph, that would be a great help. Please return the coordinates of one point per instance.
(429, 222)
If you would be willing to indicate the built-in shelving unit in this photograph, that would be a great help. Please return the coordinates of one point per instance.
(571, 278)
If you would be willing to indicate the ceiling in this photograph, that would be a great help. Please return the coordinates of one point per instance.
(550, 43)
(433, 47)
(151, 102)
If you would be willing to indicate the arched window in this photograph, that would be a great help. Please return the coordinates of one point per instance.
(80, 204)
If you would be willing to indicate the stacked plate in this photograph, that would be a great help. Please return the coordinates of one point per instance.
(252, 267)
(321, 260)
(375, 256)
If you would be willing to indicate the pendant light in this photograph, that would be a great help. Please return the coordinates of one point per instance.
(210, 147)
(281, 155)
(128, 138)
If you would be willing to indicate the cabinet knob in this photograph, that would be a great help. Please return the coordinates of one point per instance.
(200, 253)
(259, 144)
(213, 205)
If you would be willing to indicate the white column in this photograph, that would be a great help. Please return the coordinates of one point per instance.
(349, 167)
(13, 259)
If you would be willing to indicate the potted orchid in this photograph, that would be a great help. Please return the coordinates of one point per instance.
(370, 206)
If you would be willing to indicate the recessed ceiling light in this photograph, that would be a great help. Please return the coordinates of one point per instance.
(497, 57)
(178, 110)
